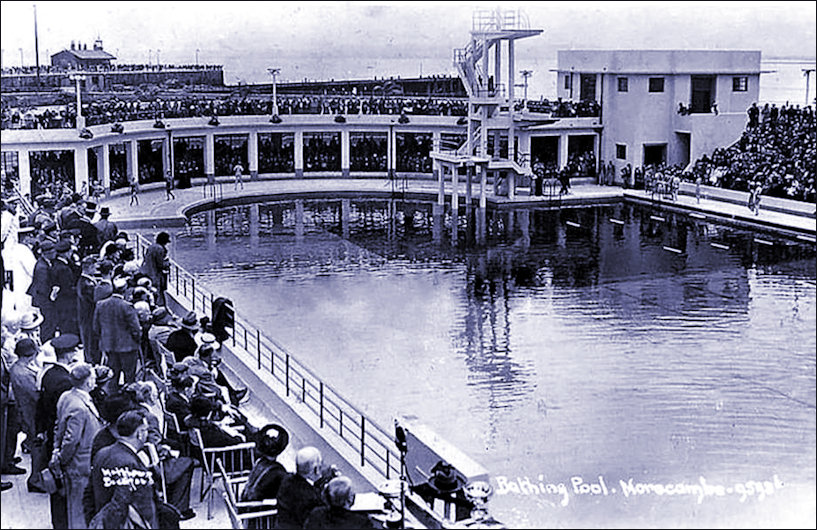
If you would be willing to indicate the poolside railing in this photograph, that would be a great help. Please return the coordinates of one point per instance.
(374, 446)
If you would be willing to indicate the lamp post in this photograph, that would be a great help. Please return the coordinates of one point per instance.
(78, 78)
(274, 72)
(197, 56)
(807, 72)
(526, 74)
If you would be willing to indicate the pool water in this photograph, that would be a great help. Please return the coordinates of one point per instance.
(586, 357)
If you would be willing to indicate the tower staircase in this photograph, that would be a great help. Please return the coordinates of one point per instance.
(490, 101)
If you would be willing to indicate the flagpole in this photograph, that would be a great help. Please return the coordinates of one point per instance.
(36, 49)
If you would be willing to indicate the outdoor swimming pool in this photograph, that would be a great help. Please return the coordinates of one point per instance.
(587, 357)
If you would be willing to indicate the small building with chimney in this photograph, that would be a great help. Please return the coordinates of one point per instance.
(80, 57)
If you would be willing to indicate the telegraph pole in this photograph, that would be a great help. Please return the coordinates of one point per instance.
(36, 50)
(807, 72)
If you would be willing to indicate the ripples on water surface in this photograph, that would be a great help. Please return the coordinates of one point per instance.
(553, 351)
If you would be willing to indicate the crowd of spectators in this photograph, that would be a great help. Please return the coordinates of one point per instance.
(778, 150)
(48, 69)
(560, 108)
(112, 109)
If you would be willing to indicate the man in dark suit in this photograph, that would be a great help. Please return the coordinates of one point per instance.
(340, 498)
(119, 479)
(23, 375)
(55, 381)
(85, 309)
(40, 289)
(300, 492)
(155, 265)
(105, 229)
(63, 289)
(181, 342)
(116, 323)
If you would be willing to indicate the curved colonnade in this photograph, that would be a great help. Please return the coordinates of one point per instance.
(298, 146)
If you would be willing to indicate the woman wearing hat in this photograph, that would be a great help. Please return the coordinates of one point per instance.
(267, 473)
(446, 485)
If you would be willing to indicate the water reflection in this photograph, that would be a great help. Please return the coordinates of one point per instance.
(614, 340)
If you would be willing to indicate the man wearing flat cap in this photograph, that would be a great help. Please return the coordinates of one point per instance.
(63, 289)
(117, 325)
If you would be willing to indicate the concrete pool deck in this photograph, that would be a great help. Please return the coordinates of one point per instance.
(154, 211)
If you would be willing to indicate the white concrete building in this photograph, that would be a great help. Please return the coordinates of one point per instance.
(640, 92)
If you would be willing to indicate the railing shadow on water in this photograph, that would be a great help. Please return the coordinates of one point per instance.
(371, 442)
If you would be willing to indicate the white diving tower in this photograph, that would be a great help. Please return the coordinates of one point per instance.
(490, 107)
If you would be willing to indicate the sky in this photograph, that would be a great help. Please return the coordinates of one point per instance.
(323, 40)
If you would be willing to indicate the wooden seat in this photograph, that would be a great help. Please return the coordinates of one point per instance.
(263, 512)
(237, 460)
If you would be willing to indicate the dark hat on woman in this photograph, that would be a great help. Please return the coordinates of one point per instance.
(272, 439)
(445, 478)
(200, 407)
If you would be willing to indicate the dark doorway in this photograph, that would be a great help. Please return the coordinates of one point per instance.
(544, 149)
(588, 87)
(684, 143)
(703, 93)
(655, 154)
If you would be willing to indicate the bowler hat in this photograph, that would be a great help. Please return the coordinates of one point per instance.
(104, 211)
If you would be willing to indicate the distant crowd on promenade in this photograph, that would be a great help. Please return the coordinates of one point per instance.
(48, 69)
(116, 109)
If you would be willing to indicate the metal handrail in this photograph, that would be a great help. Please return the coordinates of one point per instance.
(372, 443)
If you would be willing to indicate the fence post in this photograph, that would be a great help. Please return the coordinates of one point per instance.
(303, 389)
(340, 422)
(362, 440)
(193, 292)
(388, 465)
(321, 405)
(212, 316)
(177, 279)
(286, 375)
(246, 344)
(258, 343)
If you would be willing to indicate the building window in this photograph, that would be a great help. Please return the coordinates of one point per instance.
(621, 151)
(623, 84)
(656, 84)
(740, 84)
(567, 82)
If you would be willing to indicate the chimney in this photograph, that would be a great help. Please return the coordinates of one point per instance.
(72, 45)
(98, 44)
(85, 46)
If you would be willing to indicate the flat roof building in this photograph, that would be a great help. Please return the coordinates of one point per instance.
(667, 106)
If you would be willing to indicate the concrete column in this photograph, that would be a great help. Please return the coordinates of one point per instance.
(299, 154)
(345, 217)
(485, 71)
(392, 144)
(439, 174)
(103, 167)
(483, 132)
(511, 176)
(562, 150)
(481, 226)
(80, 168)
(469, 172)
(165, 156)
(211, 230)
(455, 192)
(523, 217)
(524, 146)
(345, 153)
(255, 225)
(596, 154)
(24, 168)
(132, 160)
(252, 155)
(498, 63)
(483, 186)
(210, 157)
(511, 80)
